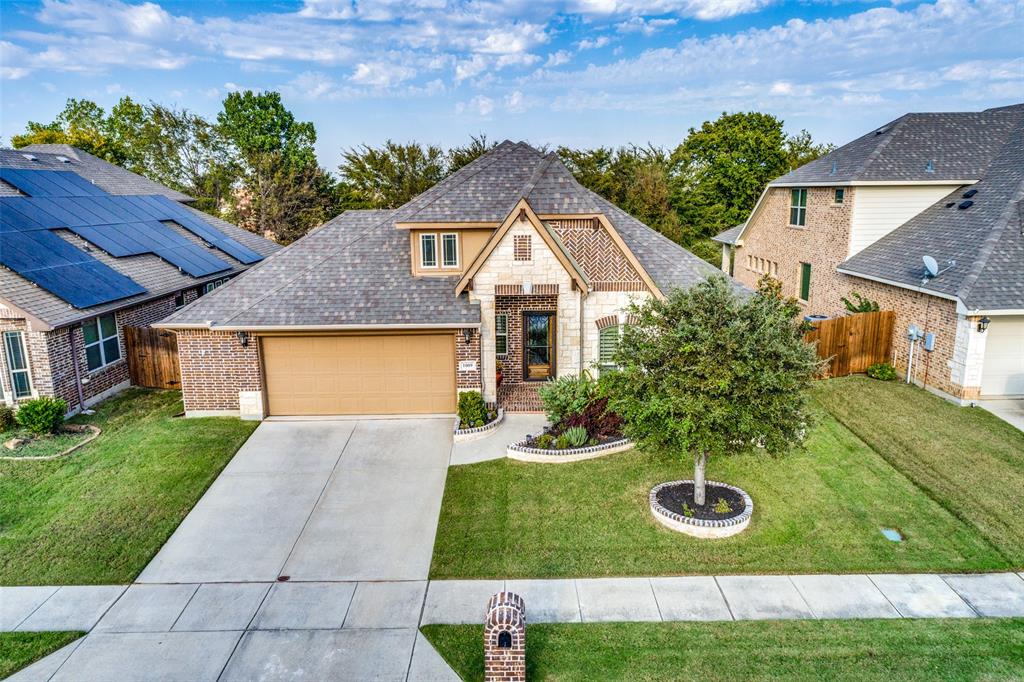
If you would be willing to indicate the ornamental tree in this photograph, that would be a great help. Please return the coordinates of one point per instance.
(709, 372)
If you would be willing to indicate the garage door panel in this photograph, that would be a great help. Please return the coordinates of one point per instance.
(1003, 369)
(396, 374)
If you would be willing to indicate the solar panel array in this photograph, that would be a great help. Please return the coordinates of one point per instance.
(120, 225)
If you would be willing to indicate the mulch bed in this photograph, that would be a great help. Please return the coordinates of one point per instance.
(674, 497)
(531, 442)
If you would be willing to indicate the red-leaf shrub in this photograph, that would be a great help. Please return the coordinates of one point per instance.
(596, 418)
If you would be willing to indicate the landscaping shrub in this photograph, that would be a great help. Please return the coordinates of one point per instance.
(7, 419)
(577, 436)
(545, 441)
(596, 419)
(562, 443)
(860, 304)
(882, 371)
(42, 415)
(472, 410)
(567, 395)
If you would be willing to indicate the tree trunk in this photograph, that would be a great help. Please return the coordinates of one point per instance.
(700, 463)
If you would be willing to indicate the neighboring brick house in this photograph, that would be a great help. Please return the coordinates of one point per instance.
(862, 218)
(50, 346)
(509, 260)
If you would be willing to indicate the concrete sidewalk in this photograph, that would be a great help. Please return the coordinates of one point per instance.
(369, 630)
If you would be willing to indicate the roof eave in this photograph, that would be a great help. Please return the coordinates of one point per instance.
(257, 328)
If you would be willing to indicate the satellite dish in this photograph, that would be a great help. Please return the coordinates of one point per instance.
(930, 266)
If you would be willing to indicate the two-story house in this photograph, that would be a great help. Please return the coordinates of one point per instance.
(509, 267)
(946, 186)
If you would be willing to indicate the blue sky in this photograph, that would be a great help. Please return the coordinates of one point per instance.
(575, 72)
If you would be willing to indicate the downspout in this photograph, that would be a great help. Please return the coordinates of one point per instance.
(74, 363)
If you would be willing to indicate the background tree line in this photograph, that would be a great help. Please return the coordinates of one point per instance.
(254, 164)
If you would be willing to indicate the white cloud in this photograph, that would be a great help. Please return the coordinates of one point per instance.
(480, 105)
(648, 27)
(515, 102)
(593, 43)
(381, 74)
(558, 58)
(114, 88)
(519, 59)
(469, 68)
(706, 10)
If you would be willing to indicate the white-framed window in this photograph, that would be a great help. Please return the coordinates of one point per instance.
(839, 196)
(17, 365)
(428, 250)
(607, 346)
(215, 284)
(450, 250)
(102, 345)
(501, 334)
(798, 207)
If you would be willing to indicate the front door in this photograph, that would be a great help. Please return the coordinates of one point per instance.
(538, 346)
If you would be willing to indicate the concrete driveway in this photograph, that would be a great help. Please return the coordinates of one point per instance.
(342, 500)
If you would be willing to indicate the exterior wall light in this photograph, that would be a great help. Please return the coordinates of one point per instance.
(243, 338)
(467, 335)
(983, 324)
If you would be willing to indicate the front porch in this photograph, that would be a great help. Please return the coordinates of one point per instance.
(520, 397)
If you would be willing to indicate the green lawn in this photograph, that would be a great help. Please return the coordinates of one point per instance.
(43, 446)
(884, 650)
(819, 510)
(969, 460)
(19, 649)
(99, 515)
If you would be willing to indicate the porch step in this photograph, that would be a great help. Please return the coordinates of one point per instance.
(523, 397)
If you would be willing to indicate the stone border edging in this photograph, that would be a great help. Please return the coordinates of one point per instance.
(463, 435)
(701, 528)
(95, 433)
(525, 454)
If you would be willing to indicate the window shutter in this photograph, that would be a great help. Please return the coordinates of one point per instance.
(609, 343)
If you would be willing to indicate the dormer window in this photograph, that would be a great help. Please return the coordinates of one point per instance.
(439, 251)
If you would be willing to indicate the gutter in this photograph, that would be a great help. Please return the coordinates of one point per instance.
(873, 183)
(314, 327)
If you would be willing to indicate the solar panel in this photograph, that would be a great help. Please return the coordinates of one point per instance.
(119, 225)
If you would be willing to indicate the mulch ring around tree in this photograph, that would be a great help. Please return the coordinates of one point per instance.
(675, 497)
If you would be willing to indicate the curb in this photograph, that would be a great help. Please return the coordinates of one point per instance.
(526, 454)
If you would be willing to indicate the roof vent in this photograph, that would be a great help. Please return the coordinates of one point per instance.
(951, 204)
(881, 131)
(834, 166)
(965, 204)
(970, 193)
(31, 157)
(63, 159)
(929, 167)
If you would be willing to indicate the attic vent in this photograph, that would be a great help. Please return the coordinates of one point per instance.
(63, 159)
(970, 193)
(951, 204)
(965, 204)
(881, 131)
(31, 157)
(929, 167)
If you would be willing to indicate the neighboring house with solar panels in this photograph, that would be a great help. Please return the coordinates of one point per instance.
(87, 249)
(509, 260)
(949, 186)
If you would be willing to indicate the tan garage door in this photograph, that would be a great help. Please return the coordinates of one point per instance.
(324, 375)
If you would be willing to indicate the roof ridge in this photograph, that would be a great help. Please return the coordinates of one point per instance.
(889, 130)
(535, 176)
(328, 254)
(457, 178)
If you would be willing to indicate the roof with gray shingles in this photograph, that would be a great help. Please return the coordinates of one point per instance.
(729, 236)
(157, 276)
(356, 269)
(916, 147)
(986, 240)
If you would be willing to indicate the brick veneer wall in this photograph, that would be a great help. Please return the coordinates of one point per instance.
(52, 361)
(215, 367)
(514, 307)
(468, 380)
(823, 242)
(506, 616)
(605, 266)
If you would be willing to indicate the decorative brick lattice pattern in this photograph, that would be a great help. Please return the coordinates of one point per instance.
(514, 307)
(505, 639)
(603, 263)
(523, 247)
(517, 289)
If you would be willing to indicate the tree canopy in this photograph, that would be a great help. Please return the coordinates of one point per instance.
(707, 372)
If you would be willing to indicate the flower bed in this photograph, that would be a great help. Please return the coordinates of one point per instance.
(527, 451)
(68, 439)
(461, 435)
(673, 507)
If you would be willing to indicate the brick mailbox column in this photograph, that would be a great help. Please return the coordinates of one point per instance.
(505, 639)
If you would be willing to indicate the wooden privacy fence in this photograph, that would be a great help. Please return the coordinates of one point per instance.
(152, 357)
(853, 343)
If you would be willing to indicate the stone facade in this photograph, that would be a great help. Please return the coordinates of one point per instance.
(771, 246)
(215, 368)
(53, 355)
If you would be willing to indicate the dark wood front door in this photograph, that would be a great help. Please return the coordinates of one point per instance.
(538, 346)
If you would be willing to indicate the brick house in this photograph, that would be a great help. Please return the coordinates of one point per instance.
(508, 262)
(65, 300)
(861, 219)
